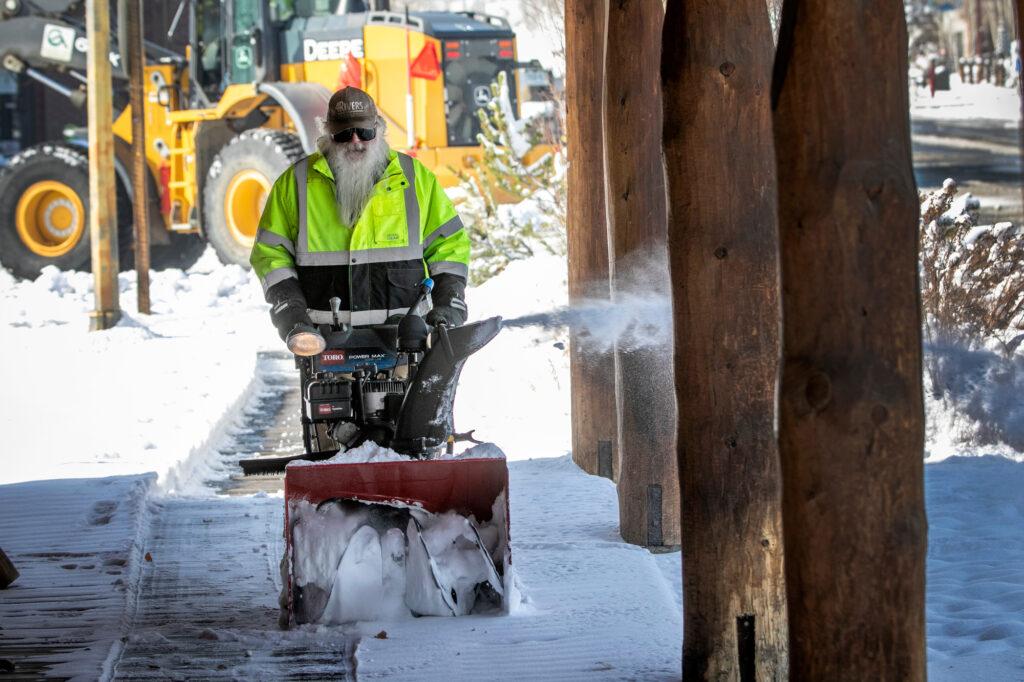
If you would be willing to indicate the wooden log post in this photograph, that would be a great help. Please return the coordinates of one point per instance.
(648, 484)
(102, 179)
(591, 374)
(851, 431)
(723, 249)
(136, 55)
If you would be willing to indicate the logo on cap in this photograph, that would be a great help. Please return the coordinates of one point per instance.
(342, 107)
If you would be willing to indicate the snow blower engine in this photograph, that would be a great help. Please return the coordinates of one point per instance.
(382, 519)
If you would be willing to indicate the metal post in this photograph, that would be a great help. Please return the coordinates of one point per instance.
(140, 208)
(410, 112)
(102, 191)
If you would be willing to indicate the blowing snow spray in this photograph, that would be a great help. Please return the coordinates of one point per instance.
(637, 317)
(631, 322)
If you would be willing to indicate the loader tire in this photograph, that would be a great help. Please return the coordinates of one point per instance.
(44, 212)
(237, 187)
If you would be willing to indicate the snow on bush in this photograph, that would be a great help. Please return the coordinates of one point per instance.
(972, 297)
(972, 285)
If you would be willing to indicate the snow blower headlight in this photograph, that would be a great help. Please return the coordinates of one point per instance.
(306, 342)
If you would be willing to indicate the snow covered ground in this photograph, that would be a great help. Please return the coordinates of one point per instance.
(966, 101)
(168, 393)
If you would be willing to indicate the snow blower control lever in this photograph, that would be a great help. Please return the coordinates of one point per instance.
(413, 330)
(336, 313)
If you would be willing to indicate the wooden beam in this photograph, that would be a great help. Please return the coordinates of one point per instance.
(102, 188)
(591, 374)
(648, 482)
(140, 199)
(723, 248)
(851, 415)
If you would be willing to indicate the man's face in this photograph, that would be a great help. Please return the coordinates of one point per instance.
(357, 158)
(355, 143)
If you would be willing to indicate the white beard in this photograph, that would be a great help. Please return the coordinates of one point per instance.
(356, 168)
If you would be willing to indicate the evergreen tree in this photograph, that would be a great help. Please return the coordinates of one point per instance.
(534, 221)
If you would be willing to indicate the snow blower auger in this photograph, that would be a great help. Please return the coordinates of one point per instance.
(382, 520)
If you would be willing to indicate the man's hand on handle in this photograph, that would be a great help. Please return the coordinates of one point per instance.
(449, 298)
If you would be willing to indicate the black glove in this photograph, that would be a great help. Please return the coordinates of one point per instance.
(449, 297)
(287, 307)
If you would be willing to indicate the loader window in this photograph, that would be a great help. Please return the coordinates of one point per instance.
(246, 57)
(208, 47)
(281, 10)
(314, 8)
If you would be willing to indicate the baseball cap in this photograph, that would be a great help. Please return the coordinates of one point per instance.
(350, 108)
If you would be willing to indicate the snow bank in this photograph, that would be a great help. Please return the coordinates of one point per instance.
(973, 402)
(78, 545)
(515, 391)
(136, 398)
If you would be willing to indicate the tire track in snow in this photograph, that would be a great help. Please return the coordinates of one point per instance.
(207, 601)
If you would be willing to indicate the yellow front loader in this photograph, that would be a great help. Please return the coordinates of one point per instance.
(225, 119)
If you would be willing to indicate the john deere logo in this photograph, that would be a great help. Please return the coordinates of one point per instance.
(58, 43)
(482, 95)
(55, 37)
(243, 56)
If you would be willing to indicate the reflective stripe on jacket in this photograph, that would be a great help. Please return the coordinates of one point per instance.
(407, 229)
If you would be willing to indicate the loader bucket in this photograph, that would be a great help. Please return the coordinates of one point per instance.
(393, 539)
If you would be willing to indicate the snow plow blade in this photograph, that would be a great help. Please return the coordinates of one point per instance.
(394, 539)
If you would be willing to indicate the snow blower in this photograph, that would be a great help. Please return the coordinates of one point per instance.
(382, 519)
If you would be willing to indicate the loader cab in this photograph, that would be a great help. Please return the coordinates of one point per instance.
(231, 44)
(474, 49)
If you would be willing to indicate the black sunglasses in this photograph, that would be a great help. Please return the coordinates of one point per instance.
(365, 134)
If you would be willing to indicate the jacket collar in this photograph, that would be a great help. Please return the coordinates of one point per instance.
(319, 163)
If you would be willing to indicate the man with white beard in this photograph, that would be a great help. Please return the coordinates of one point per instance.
(362, 223)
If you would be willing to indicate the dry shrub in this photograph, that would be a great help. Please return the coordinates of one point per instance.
(972, 282)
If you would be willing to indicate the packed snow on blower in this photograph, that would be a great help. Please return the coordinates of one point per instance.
(382, 519)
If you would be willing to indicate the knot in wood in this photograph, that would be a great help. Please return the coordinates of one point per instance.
(879, 415)
(727, 69)
(873, 187)
(721, 252)
(818, 390)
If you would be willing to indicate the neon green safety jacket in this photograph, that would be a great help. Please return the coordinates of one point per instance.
(408, 229)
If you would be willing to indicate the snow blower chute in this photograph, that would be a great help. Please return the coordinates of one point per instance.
(382, 520)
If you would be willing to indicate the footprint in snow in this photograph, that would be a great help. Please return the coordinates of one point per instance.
(102, 512)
